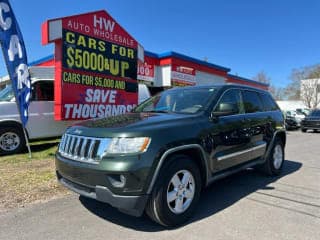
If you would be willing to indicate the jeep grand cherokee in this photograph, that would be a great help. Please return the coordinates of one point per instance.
(159, 157)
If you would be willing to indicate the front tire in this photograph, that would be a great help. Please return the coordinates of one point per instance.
(176, 192)
(11, 140)
(274, 162)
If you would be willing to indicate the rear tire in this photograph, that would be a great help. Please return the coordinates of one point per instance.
(11, 140)
(176, 192)
(274, 162)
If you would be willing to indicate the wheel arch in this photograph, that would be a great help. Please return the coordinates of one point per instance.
(194, 151)
(13, 139)
(13, 123)
(280, 134)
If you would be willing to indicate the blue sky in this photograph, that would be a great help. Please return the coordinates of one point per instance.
(248, 36)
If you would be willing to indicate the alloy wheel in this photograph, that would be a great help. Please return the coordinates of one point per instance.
(9, 141)
(180, 191)
(277, 156)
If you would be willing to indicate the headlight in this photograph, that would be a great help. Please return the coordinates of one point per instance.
(128, 145)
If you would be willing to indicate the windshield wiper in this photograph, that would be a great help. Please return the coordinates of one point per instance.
(158, 111)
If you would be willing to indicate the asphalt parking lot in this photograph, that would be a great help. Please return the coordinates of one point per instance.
(246, 206)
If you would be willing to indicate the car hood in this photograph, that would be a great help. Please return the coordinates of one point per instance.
(132, 122)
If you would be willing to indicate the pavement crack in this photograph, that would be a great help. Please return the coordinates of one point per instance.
(286, 208)
(288, 199)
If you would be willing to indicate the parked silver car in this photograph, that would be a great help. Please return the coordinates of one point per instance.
(41, 122)
(297, 116)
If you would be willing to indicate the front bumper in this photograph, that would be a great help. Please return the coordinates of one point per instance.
(310, 125)
(94, 181)
(132, 205)
(290, 124)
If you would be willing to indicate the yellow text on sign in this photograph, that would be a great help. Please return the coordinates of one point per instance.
(122, 51)
(93, 61)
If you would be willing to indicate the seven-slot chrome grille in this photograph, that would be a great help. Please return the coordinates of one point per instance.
(82, 148)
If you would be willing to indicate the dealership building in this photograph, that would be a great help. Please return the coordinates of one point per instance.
(161, 71)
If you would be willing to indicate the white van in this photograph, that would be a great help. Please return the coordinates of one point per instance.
(41, 123)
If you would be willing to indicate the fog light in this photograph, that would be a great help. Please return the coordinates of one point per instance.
(117, 180)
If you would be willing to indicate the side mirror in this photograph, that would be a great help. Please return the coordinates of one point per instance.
(224, 109)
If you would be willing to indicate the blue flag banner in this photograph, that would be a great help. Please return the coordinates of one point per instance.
(15, 57)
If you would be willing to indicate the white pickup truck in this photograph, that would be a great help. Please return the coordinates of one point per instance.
(41, 123)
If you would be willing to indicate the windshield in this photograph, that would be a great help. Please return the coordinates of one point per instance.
(6, 94)
(178, 100)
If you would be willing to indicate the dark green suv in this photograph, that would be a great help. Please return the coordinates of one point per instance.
(159, 157)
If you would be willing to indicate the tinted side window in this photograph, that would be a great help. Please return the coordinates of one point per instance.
(268, 103)
(42, 91)
(230, 101)
(252, 102)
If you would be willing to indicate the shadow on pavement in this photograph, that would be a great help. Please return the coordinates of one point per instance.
(217, 197)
